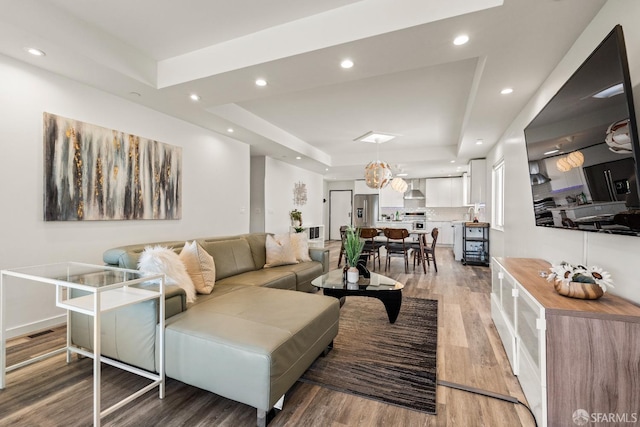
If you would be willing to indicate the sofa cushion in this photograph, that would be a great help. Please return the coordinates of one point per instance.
(257, 243)
(305, 272)
(231, 256)
(200, 266)
(279, 251)
(270, 278)
(250, 345)
(300, 246)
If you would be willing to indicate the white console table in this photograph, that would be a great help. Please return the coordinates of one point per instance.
(568, 354)
(105, 289)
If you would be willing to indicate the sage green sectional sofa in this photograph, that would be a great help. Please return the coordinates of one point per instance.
(249, 340)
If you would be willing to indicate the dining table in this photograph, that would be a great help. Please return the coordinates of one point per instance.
(421, 234)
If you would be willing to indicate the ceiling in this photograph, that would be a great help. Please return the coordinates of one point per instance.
(408, 78)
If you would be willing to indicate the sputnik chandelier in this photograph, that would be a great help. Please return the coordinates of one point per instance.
(377, 174)
(573, 160)
(399, 184)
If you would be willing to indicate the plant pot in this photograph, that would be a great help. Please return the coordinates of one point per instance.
(353, 275)
(578, 290)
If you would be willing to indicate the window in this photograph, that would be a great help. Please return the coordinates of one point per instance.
(497, 208)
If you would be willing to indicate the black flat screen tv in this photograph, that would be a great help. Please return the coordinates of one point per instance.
(583, 148)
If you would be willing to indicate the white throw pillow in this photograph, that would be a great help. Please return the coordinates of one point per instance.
(161, 260)
(279, 251)
(200, 266)
(300, 246)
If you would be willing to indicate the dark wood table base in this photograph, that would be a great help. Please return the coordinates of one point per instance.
(392, 299)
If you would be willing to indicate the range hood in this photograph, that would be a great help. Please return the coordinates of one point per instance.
(413, 194)
(535, 175)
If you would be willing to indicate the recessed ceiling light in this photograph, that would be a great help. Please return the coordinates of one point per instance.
(461, 39)
(326, 169)
(194, 97)
(35, 52)
(479, 142)
(298, 158)
(261, 82)
(452, 161)
(230, 130)
(347, 63)
(375, 137)
(506, 91)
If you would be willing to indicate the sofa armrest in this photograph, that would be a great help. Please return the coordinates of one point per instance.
(322, 256)
(128, 333)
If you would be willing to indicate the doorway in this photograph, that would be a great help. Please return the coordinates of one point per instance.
(340, 207)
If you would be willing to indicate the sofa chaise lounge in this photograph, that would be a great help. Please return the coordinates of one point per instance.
(249, 340)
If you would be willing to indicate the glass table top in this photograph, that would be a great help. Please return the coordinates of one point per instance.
(377, 282)
(75, 274)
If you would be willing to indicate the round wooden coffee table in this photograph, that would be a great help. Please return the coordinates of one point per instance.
(377, 286)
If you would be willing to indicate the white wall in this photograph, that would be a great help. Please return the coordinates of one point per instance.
(280, 178)
(257, 194)
(215, 182)
(616, 254)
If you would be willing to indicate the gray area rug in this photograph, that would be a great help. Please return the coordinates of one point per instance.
(372, 358)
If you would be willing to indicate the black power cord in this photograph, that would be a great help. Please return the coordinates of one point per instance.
(487, 393)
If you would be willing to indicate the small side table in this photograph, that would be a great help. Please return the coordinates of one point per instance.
(106, 289)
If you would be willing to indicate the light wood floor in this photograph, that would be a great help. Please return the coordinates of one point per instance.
(52, 393)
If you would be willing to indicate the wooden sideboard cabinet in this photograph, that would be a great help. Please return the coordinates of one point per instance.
(568, 354)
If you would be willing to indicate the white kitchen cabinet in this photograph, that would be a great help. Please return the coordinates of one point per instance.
(360, 187)
(571, 179)
(476, 182)
(443, 192)
(457, 192)
(445, 232)
(390, 198)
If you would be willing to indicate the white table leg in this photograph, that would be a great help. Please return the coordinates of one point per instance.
(161, 303)
(3, 347)
(96, 360)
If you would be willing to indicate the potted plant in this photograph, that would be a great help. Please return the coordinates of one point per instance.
(296, 218)
(353, 249)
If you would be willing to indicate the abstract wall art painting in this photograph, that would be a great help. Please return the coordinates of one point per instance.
(94, 173)
(299, 193)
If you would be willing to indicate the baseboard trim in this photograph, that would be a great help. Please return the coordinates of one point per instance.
(34, 327)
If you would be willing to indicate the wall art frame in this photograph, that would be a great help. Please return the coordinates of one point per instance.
(95, 173)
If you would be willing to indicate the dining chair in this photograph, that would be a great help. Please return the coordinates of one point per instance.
(343, 235)
(430, 252)
(371, 247)
(419, 249)
(397, 246)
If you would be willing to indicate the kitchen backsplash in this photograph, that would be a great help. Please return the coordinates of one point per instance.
(439, 214)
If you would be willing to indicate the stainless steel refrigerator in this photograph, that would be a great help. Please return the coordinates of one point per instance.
(365, 210)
